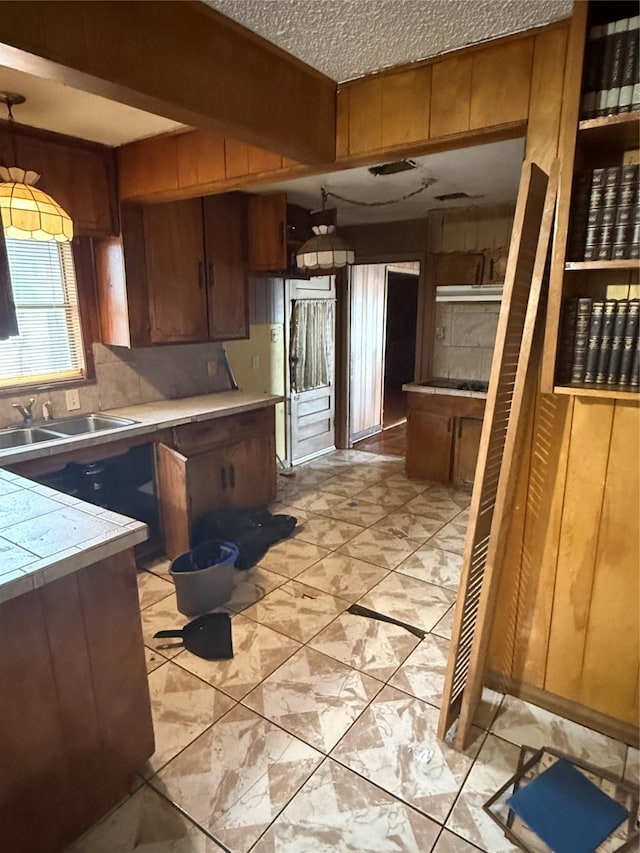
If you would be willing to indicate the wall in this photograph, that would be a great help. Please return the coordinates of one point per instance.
(465, 335)
(126, 377)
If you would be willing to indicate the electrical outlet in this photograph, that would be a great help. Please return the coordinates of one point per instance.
(73, 399)
(440, 333)
(255, 362)
(212, 368)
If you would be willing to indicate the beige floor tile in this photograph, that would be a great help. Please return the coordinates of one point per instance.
(336, 811)
(297, 610)
(328, 532)
(496, 762)
(343, 576)
(346, 485)
(409, 526)
(394, 745)
(284, 508)
(409, 600)
(380, 547)
(315, 501)
(388, 494)
(444, 627)
(357, 512)
(314, 697)
(158, 565)
(153, 659)
(257, 651)
(303, 476)
(369, 645)
(292, 556)
(450, 843)
(632, 766)
(422, 674)
(451, 537)
(183, 706)
(237, 776)
(152, 588)
(252, 585)
(434, 505)
(433, 565)
(522, 723)
(145, 823)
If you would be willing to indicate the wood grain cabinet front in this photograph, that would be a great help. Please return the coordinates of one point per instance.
(177, 274)
(223, 473)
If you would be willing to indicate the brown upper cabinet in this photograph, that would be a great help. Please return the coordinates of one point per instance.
(458, 268)
(276, 231)
(495, 266)
(178, 273)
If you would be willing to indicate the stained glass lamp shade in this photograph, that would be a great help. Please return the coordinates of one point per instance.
(28, 213)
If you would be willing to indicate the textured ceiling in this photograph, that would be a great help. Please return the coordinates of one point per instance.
(349, 38)
(489, 174)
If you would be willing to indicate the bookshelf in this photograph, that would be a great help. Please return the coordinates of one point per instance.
(587, 143)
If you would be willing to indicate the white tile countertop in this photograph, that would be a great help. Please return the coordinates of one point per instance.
(150, 417)
(45, 535)
(423, 388)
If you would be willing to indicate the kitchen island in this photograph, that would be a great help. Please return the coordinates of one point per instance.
(75, 720)
(444, 424)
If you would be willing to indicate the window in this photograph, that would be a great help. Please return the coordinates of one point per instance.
(49, 345)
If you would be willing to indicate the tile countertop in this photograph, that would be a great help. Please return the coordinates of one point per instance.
(150, 417)
(45, 535)
(416, 387)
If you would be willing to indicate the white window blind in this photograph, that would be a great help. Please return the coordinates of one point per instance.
(49, 345)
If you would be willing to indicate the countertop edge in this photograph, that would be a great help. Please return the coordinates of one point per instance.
(415, 388)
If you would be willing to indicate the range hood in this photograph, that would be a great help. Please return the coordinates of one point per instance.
(469, 293)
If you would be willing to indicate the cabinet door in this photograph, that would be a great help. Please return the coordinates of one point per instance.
(458, 268)
(429, 445)
(251, 471)
(225, 234)
(267, 233)
(466, 447)
(174, 251)
(495, 266)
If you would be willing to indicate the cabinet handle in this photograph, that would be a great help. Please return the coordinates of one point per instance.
(200, 274)
(211, 275)
(223, 477)
(232, 476)
(449, 425)
(478, 273)
(282, 233)
(491, 269)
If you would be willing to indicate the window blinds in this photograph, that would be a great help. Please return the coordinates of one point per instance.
(49, 344)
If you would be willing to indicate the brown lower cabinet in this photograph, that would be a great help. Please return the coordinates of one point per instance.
(443, 437)
(226, 463)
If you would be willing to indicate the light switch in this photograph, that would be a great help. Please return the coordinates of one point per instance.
(212, 368)
(255, 362)
(440, 333)
(72, 399)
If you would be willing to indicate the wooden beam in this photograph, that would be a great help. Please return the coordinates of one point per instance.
(181, 60)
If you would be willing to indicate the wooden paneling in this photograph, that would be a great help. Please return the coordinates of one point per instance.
(342, 122)
(365, 115)
(406, 101)
(201, 158)
(547, 80)
(368, 297)
(501, 78)
(78, 723)
(451, 96)
(142, 54)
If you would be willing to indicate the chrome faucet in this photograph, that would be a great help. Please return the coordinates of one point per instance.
(25, 411)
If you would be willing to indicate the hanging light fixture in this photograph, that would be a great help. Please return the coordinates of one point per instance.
(27, 212)
(325, 252)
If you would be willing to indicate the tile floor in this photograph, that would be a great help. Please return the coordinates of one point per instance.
(319, 735)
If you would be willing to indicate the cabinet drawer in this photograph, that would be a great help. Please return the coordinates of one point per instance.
(195, 438)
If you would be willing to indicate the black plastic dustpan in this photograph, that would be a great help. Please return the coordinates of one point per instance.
(208, 636)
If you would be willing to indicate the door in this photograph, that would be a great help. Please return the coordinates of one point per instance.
(174, 252)
(225, 236)
(429, 443)
(311, 380)
(367, 324)
(267, 233)
(466, 447)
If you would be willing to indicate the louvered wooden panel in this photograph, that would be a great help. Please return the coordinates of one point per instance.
(498, 448)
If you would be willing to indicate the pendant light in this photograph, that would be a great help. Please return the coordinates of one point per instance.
(27, 212)
(325, 252)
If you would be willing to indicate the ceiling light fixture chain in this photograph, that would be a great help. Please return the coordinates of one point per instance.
(424, 186)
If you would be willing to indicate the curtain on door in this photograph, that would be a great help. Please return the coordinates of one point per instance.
(312, 331)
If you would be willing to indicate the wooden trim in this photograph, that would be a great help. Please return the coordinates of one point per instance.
(625, 732)
(631, 397)
(87, 300)
(142, 54)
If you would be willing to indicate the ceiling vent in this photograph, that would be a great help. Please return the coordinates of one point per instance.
(451, 196)
(393, 168)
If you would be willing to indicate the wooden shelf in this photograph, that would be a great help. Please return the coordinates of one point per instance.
(618, 131)
(630, 264)
(598, 393)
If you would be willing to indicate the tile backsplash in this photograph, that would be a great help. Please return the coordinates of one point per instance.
(464, 339)
(126, 377)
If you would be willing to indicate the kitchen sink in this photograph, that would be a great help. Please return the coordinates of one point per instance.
(21, 436)
(87, 423)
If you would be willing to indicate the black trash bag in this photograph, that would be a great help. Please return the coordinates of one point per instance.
(253, 531)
